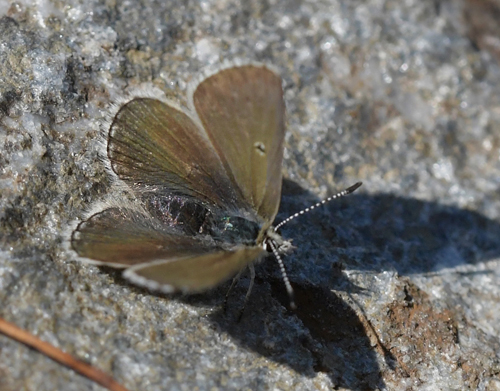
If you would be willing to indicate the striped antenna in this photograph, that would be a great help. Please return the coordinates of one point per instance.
(345, 192)
(288, 286)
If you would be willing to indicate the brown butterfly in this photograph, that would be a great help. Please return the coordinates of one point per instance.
(207, 184)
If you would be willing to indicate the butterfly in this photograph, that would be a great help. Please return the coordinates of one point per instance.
(206, 183)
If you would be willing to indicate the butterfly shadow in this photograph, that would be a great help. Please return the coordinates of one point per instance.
(364, 232)
(323, 335)
(381, 232)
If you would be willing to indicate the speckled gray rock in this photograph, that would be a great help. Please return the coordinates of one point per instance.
(398, 285)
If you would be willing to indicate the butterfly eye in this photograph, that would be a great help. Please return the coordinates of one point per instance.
(260, 147)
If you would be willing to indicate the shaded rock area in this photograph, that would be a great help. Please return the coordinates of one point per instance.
(397, 285)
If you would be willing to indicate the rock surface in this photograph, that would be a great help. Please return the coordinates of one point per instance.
(397, 286)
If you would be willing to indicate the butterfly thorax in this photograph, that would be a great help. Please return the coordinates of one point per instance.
(230, 229)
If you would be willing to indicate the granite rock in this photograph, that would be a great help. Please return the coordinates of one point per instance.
(397, 285)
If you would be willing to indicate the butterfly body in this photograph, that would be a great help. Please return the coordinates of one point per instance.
(194, 218)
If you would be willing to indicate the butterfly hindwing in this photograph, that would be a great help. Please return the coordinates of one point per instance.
(194, 273)
(121, 237)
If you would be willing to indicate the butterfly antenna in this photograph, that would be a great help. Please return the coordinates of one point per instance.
(343, 193)
(288, 286)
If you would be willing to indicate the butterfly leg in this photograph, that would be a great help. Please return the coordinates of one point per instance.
(252, 279)
(233, 283)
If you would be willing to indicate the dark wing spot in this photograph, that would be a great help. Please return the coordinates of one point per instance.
(260, 147)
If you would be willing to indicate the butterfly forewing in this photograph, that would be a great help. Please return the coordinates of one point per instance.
(153, 145)
(194, 273)
(123, 237)
(242, 111)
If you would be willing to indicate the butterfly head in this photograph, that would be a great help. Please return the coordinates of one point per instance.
(274, 239)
